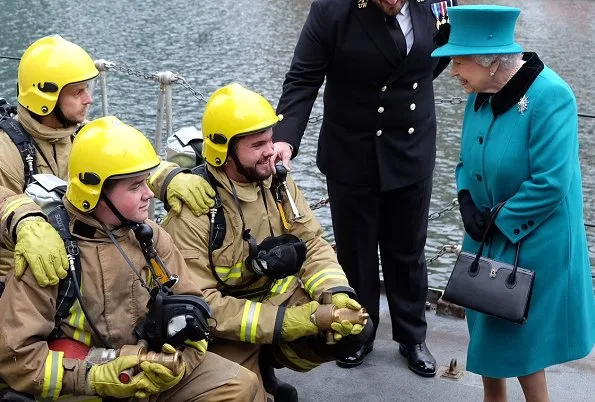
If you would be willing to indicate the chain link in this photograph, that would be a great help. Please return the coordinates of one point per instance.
(435, 215)
(178, 79)
(322, 203)
(447, 248)
(197, 94)
(455, 100)
(315, 119)
(132, 72)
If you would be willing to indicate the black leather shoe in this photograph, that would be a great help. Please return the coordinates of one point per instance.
(357, 358)
(419, 358)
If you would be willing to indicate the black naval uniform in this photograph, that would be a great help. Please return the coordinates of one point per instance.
(377, 145)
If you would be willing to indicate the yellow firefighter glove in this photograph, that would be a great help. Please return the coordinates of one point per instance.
(40, 247)
(297, 322)
(103, 380)
(344, 328)
(161, 376)
(192, 190)
(342, 300)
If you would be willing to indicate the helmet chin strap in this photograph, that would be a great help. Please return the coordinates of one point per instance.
(124, 222)
(62, 119)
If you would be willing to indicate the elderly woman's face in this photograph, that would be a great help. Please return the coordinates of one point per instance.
(472, 76)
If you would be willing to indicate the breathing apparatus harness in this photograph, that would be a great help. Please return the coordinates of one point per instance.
(20, 137)
(171, 318)
(276, 257)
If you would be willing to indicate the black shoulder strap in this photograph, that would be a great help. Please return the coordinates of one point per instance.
(23, 141)
(60, 220)
(219, 225)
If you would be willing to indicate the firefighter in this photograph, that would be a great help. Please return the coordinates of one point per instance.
(120, 296)
(262, 268)
(53, 98)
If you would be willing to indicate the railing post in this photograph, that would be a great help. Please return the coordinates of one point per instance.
(103, 65)
(164, 106)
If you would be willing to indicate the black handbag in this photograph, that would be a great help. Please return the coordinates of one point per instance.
(491, 287)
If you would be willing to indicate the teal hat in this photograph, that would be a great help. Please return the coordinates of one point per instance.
(480, 29)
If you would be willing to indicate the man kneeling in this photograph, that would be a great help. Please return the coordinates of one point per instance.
(131, 284)
(261, 263)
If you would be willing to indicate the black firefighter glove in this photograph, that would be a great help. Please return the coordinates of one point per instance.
(279, 257)
(474, 220)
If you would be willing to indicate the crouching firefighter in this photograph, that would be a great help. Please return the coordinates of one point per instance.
(259, 256)
(127, 321)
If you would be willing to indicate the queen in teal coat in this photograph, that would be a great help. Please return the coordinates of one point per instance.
(520, 145)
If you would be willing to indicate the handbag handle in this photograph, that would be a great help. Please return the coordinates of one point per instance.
(511, 280)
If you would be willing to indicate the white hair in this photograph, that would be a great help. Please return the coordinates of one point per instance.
(507, 60)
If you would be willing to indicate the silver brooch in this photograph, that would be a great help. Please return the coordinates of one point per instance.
(523, 104)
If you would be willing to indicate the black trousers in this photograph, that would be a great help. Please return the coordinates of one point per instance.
(396, 221)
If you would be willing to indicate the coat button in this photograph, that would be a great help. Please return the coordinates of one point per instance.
(383, 89)
(412, 106)
(478, 177)
(516, 231)
(411, 130)
(415, 85)
(530, 223)
(524, 227)
(378, 133)
(480, 140)
(380, 109)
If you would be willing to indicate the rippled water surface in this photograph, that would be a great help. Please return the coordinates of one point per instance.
(212, 43)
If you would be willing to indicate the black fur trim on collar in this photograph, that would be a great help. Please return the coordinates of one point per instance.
(514, 90)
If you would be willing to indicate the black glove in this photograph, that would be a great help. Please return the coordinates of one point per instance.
(279, 256)
(474, 220)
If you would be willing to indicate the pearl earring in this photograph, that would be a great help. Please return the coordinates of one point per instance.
(492, 73)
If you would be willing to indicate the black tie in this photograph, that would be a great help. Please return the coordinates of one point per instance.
(397, 34)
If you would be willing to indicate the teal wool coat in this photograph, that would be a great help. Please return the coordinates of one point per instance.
(521, 146)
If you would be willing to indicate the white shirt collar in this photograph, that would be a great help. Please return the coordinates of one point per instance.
(404, 9)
